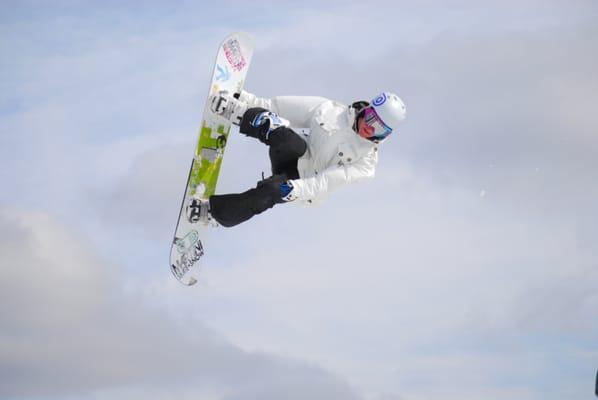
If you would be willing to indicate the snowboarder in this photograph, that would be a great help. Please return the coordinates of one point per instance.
(338, 146)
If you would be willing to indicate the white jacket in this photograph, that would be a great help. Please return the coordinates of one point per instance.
(336, 154)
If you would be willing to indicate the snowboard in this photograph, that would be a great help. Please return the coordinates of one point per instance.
(187, 249)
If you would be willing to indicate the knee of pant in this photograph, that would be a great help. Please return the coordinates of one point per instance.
(272, 183)
(263, 204)
(288, 141)
(270, 188)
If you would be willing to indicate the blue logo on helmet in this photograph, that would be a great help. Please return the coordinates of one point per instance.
(378, 101)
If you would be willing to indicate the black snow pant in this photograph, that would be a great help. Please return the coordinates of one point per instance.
(285, 148)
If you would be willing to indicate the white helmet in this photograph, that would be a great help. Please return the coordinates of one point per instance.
(391, 112)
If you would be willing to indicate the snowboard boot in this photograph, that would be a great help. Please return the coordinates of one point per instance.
(227, 106)
(198, 211)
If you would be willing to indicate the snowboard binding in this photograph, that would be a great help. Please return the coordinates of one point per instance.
(198, 211)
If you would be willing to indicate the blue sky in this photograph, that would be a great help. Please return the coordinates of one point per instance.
(466, 269)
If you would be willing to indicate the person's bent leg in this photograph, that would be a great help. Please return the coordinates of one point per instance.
(232, 209)
(286, 147)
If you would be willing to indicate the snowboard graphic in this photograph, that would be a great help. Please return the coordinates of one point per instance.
(230, 70)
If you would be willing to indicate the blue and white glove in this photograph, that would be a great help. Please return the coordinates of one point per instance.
(288, 191)
(268, 121)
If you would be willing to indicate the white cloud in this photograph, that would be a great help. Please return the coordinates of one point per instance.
(410, 284)
(70, 329)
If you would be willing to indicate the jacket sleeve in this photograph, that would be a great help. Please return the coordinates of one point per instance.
(297, 109)
(332, 178)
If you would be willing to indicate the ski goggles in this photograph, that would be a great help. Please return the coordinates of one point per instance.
(372, 119)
